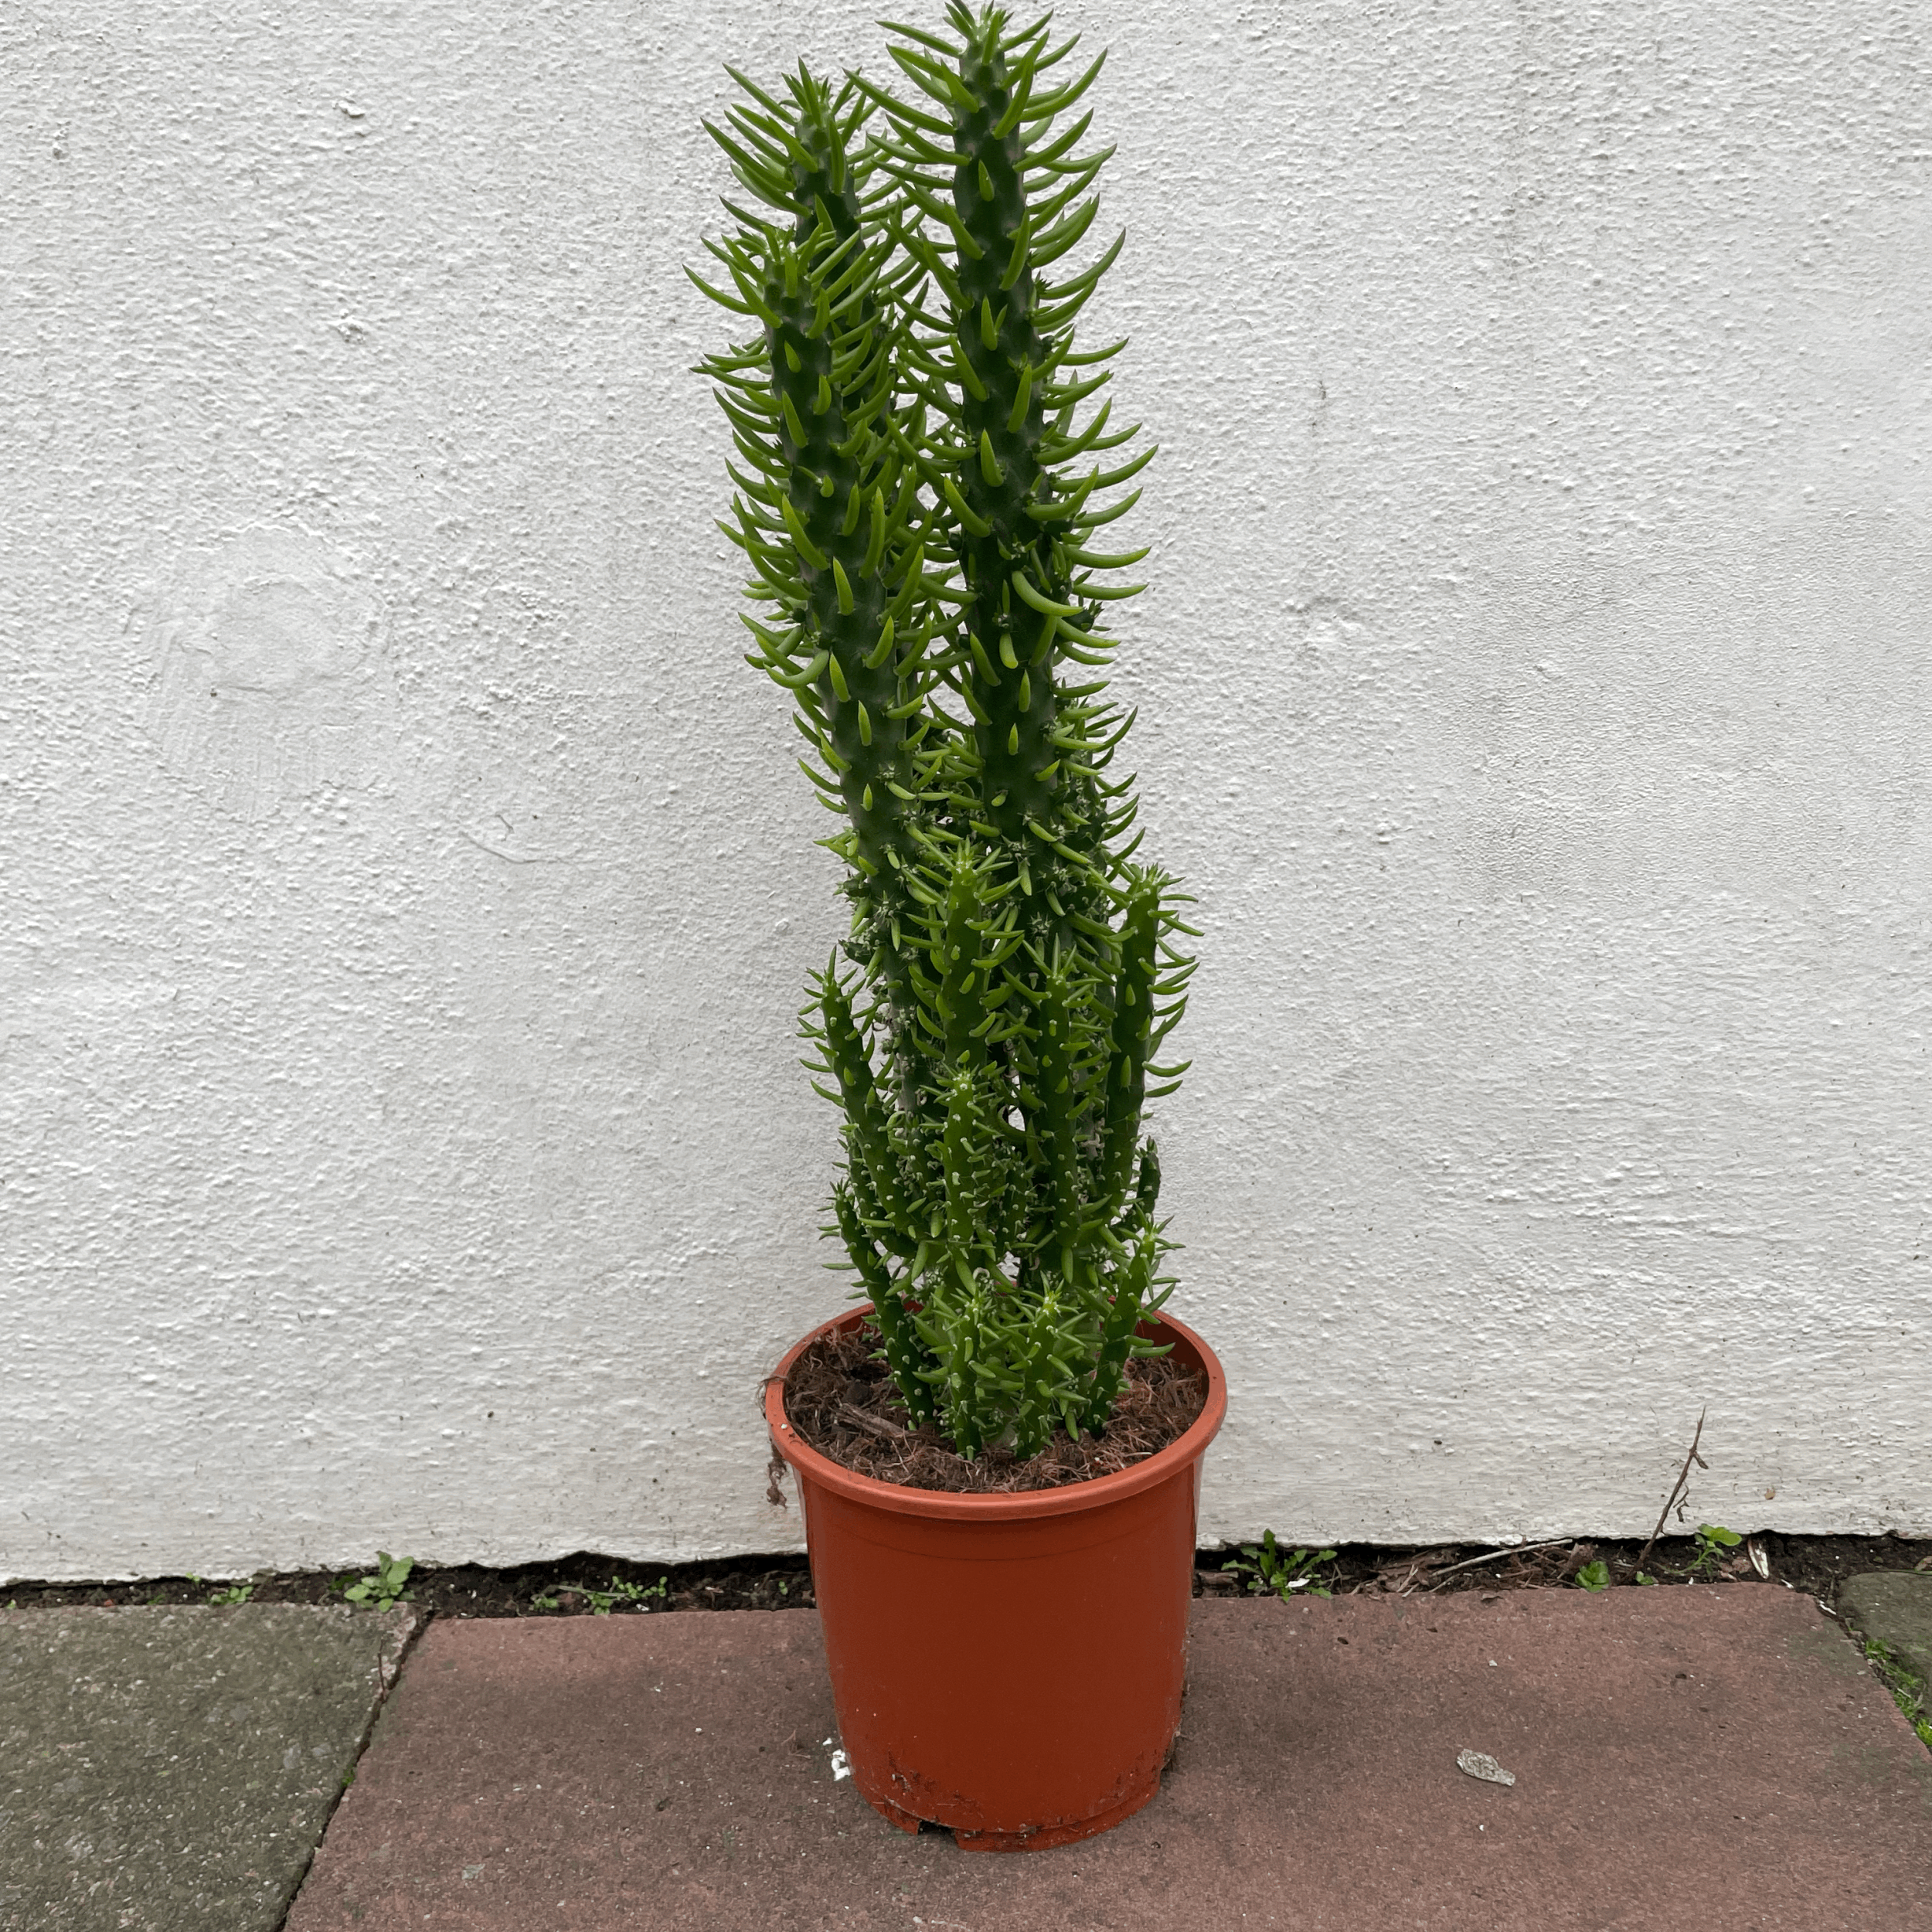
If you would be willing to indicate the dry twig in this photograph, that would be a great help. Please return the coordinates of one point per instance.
(877, 1425)
(1677, 1489)
(1493, 1556)
(1424, 1563)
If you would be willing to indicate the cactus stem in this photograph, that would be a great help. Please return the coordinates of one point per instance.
(1016, 967)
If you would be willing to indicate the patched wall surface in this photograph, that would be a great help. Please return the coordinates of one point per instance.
(408, 891)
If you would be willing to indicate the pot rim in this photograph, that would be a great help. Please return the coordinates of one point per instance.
(1094, 1492)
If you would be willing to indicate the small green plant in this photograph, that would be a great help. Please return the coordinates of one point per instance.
(1268, 1567)
(918, 508)
(1907, 1692)
(603, 1601)
(1713, 1541)
(1642, 1577)
(234, 1593)
(385, 1586)
(546, 1603)
(1593, 1576)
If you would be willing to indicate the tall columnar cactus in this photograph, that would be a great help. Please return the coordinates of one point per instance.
(917, 507)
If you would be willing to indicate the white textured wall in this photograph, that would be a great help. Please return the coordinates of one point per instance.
(407, 892)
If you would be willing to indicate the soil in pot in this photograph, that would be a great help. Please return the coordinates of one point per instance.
(842, 1402)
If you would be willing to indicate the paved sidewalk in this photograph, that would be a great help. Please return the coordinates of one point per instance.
(1896, 1607)
(1710, 1758)
(170, 1769)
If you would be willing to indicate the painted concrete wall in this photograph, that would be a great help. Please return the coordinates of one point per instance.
(408, 894)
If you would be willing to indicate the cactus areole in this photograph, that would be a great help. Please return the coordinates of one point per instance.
(927, 468)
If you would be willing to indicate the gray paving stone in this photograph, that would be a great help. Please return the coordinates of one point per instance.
(1894, 1605)
(168, 1770)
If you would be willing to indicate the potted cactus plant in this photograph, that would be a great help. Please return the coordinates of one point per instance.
(922, 511)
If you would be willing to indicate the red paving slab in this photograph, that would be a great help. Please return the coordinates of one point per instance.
(1706, 1758)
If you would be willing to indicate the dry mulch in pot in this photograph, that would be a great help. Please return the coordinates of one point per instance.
(843, 1402)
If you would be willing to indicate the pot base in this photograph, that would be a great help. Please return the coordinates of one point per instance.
(1042, 1840)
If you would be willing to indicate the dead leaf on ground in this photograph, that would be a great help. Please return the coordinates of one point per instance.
(1481, 1764)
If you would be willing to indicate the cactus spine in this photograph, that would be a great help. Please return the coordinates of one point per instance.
(915, 509)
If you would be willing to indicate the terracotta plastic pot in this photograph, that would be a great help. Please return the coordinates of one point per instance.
(1008, 1666)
